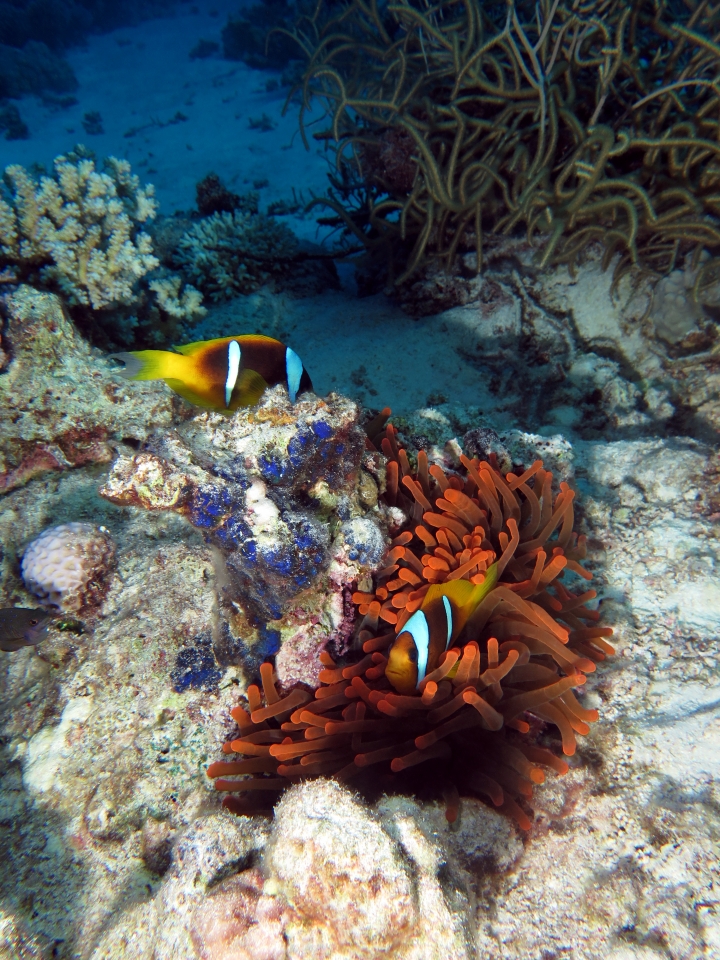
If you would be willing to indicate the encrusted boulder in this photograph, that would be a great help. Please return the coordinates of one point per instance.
(281, 491)
(67, 406)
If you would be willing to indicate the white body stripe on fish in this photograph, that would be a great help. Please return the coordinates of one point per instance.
(293, 371)
(417, 627)
(448, 614)
(234, 355)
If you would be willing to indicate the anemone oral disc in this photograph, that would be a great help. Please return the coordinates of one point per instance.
(234, 355)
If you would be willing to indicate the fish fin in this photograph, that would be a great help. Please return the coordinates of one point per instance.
(466, 596)
(458, 591)
(249, 387)
(183, 390)
(190, 349)
(248, 338)
(149, 364)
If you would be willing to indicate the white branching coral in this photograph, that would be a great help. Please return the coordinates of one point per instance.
(230, 253)
(79, 229)
(183, 303)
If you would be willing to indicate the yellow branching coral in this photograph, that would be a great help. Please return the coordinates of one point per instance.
(79, 229)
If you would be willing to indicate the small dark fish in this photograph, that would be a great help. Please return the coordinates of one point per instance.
(22, 627)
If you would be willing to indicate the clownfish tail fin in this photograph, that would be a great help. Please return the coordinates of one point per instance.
(150, 364)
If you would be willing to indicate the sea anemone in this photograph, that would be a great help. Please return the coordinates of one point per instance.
(478, 719)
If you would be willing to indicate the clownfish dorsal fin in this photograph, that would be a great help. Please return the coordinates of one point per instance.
(190, 349)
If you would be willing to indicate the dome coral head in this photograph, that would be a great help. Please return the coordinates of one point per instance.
(67, 566)
(484, 716)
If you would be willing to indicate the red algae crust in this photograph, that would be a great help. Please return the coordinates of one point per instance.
(482, 722)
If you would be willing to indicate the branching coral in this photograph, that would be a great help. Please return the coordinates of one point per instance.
(477, 717)
(580, 122)
(231, 253)
(79, 229)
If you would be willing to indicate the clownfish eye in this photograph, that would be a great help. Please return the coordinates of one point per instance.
(412, 655)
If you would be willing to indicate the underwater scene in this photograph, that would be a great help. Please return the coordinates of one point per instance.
(359, 480)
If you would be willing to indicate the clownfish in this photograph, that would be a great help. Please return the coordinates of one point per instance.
(430, 631)
(221, 374)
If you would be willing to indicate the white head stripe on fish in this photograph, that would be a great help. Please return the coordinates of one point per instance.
(234, 354)
(448, 614)
(417, 627)
(293, 370)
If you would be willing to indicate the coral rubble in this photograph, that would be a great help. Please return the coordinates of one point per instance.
(533, 641)
(276, 491)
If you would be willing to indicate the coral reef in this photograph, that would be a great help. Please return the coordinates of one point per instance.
(34, 69)
(254, 35)
(230, 253)
(64, 23)
(580, 123)
(67, 566)
(534, 640)
(214, 197)
(79, 230)
(279, 491)
(182, 302)
(12, 123)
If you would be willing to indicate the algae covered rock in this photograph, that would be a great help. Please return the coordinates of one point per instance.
(69, 407)
(354, 889)
(280, 491)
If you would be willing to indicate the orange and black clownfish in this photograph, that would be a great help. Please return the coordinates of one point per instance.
(221, 374)
(431, 630)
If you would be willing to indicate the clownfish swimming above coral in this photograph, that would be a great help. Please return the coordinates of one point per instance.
(222, 374)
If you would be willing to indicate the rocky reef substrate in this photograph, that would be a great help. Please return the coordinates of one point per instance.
(110, 830)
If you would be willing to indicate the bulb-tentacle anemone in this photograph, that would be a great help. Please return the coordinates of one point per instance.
(479, 722)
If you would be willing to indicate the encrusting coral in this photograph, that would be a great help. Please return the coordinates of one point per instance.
(477, 717)
(582, 122)
(284, 495)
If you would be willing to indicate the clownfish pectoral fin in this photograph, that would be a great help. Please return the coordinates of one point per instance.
(150, 364)
(249, 387)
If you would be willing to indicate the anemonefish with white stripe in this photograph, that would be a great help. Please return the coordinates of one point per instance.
(221, 374)
(432, 629)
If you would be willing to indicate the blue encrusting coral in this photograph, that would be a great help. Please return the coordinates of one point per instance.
(195, 667)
